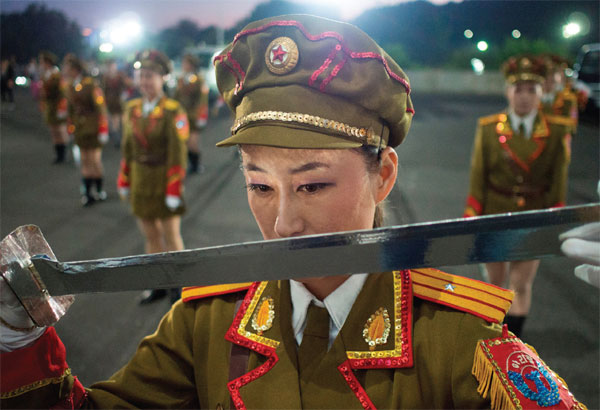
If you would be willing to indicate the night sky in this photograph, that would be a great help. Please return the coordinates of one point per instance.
(156, 15)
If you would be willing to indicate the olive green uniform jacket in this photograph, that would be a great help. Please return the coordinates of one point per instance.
(213, 351)
(154, 157)
(192, 94)
(53, 99)
(87, 113)
(511, 173)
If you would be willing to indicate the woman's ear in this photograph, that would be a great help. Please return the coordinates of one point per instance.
(388, 171)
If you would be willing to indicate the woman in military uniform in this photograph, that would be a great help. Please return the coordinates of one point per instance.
(114, 84)
(89, 125)
(155, 131)
(192, 94)
(319, 109)
(558, 98)
(519, 162)
(54, 104)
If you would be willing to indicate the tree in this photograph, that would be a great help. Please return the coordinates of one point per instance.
(174, 40)
(37, 28)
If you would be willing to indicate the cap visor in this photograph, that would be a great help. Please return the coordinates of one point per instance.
(275, 135)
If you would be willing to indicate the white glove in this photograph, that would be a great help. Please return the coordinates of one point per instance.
(123, 193)
(583, 244)
(103, 138)
(173, 202)
(17, 330)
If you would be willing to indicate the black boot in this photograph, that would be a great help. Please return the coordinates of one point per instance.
(87, 199)
(515, 324)
(149, 296)
(100, 193)
(193, 159)
(60, 150)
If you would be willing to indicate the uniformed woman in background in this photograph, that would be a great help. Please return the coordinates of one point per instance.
(520, 162)
(114, 85)
(53, 103)
(88, 124)
(155, 132)
(192, 94)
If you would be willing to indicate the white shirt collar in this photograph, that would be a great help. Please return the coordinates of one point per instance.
(148, 106)
(338, 304)
(527, 121)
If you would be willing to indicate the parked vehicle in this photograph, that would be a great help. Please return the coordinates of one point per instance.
(587, 70)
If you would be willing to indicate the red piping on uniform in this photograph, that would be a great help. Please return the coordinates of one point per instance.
(514, 157)
(475, 204)
(541, 144)
(233, 336)
(346, 370)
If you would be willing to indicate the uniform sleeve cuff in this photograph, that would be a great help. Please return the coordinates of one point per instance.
(46, 361)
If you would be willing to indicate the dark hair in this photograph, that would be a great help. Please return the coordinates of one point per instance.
(372, 157)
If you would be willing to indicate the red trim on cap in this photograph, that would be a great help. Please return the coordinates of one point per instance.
(333, 73)
(325, 64)
(221, 59)
(238, 68)
(326, 34)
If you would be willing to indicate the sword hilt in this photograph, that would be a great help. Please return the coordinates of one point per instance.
(16, 251)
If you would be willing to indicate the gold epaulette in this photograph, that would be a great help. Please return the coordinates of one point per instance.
(481, 299)
(171, 104)
(200, 292)
(558, 119)
(136, 102)
(492, 119)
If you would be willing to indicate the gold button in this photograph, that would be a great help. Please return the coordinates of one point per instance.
(520, 179)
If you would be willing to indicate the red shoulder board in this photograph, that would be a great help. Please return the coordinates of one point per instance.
(200, 292)
(511, 372)
(481, 299)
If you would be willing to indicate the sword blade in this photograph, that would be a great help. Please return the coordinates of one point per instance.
(503, 237)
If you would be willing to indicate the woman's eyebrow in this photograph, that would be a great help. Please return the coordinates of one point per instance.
(253, 167)
(309, 167)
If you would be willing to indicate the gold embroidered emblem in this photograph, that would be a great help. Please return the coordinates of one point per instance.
(377, 328)
(264, 315)
(282, 55)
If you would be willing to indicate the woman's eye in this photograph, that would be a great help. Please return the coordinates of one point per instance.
(258, 188)
(312, 188)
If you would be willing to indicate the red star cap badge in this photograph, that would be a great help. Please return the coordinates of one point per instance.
(279, 53)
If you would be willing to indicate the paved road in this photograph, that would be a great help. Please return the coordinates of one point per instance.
(102, 331)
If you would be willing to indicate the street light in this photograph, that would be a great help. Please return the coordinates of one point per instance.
(478, 66)
(106, 48)
(468, 33)
(516, 33)
(571, 29)
(482, 45)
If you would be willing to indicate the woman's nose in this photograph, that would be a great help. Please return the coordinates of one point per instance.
(289, 221)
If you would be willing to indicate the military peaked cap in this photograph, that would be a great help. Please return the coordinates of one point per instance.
(301, 81)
